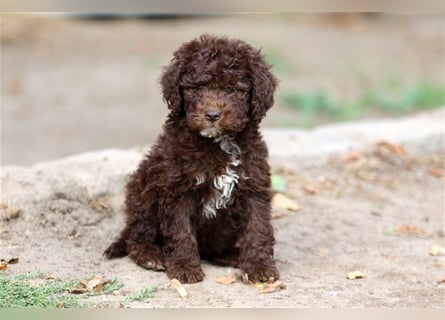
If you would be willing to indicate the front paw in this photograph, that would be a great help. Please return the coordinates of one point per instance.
(185, 274)
(261, 272)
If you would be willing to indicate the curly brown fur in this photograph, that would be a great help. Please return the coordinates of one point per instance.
(203, 190)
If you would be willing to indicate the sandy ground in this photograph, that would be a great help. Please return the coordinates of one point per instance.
(379, 212)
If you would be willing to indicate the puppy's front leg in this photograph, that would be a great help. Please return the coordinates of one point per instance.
(180, 248)
(256, 244)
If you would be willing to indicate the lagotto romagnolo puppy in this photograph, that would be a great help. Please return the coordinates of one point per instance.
(203, 190)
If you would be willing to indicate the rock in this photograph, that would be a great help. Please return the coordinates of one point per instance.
(55, 194)
(421, 133)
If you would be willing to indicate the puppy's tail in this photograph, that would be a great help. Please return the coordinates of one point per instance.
(117, 249)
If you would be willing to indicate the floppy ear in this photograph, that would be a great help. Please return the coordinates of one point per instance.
(170, 86)
(264, 84)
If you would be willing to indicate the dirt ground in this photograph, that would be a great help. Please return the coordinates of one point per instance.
(380, 212)
(78, 87)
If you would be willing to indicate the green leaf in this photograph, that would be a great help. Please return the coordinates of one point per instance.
(143, 295)
(278, 183)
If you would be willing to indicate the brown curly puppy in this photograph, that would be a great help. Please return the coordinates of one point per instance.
(203, 191)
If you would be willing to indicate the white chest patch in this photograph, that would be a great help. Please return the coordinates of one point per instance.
(223, 184)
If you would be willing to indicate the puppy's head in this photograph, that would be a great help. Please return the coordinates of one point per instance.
(219, 85)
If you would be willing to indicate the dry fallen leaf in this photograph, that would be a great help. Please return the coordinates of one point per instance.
(270, 287)
(411, 230)
(437, 172)
(352, 156)
(326, 182)
(178, 286)
(393, 147)
(4, 263)
(366, 175)
(227, 280)
(101, 206)
(276, 215)
(310, 189)
(282, 202)
(259, 285)
(355, 275)
(96, 284)
(9, 212)
(79, 289)
(437, 250)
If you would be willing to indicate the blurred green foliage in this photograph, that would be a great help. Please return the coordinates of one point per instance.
(281, 65)
(392, 97)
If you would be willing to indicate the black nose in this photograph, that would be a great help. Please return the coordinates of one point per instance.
(213, 115)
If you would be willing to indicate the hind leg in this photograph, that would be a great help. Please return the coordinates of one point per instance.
(119, 247)
(140, 247)
(140, 240)
(144, 242)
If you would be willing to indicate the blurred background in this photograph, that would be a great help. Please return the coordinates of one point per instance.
(74, 83)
